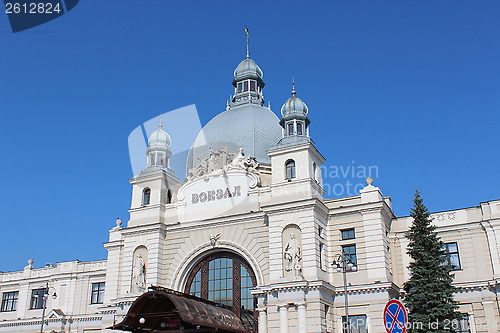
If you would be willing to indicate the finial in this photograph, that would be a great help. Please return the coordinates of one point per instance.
(248, 48)
(293, 87)
(161, 122)
(119, 222)
(369, 180)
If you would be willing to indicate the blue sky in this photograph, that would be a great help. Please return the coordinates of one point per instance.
(410, 87)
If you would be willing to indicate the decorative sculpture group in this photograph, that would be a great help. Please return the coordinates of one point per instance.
(221, 161)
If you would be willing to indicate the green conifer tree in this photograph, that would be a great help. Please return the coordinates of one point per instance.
(429, 291)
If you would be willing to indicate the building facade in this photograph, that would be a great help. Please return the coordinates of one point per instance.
(250, 228)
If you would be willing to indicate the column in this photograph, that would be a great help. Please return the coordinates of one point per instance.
(283, 310)
(262, 320)
(302, 314)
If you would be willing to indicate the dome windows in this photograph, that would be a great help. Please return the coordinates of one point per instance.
(299, 128)
(295, 127)
(247, 85)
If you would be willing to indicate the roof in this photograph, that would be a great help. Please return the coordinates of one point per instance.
(254, 128)
(164, 309)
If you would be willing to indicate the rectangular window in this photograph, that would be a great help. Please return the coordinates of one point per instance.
(37, 296)
(299, 129)
(97, 296)
(464, 326)
(452, 255)
(240, 87)
(9, 301)
(348, 234)
(290, 129)
(245, 86)
(253, 85)
(321, 256)
(357, 324)
(350, 250)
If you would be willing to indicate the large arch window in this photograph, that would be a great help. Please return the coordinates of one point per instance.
(226, 278)
(146, 196)
(290, 169)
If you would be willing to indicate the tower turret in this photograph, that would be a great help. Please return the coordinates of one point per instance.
(247, 82)
(295, 123)
(158, 150)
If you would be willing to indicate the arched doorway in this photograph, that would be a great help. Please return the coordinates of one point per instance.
(225, 277)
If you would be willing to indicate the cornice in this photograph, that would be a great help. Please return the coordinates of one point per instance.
(288, 206)
(144, 229)
(367, 289)
(209, 223)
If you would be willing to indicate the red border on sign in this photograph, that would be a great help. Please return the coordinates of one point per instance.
(395, 301)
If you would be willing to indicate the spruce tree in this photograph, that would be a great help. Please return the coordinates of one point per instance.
(429, 291)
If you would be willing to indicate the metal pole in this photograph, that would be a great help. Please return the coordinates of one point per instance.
(346, 302)
(44, 305)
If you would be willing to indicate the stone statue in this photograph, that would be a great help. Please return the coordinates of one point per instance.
(292, 255)
(139, 274)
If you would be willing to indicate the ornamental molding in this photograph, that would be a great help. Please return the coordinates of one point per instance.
(478, 286)
(293, 286)
(363, 290)
(38, 322)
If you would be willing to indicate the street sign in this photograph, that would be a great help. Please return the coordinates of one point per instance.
(395, 317)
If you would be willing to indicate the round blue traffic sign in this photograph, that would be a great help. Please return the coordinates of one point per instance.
(395, 317)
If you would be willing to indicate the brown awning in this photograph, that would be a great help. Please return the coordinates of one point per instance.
(164, 310)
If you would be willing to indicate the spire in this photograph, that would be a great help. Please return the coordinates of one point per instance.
(160, 126)
(248, 47)
(293, 87)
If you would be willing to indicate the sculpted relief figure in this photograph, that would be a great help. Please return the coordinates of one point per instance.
(199, 170)
(292, 256)
(138, 274)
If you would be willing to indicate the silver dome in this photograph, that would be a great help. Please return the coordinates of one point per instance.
(159, 137)
(294, 106)
(254, 128)
(248, 67)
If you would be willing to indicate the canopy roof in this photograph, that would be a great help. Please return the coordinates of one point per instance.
(165, 310)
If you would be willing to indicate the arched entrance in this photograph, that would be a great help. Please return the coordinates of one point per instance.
(226, 278)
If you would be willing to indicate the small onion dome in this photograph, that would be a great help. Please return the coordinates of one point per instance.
(159, 137)
(248, 69)
(294, 106)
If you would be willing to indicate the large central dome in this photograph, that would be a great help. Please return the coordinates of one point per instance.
(253, 127)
